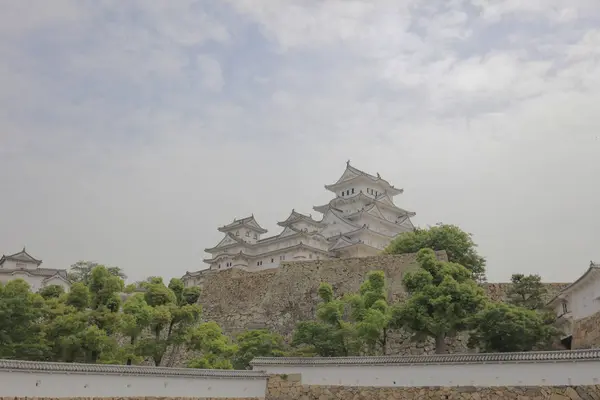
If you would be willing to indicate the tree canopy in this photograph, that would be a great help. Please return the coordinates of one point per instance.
(257, 343)
(442, 298)
(330, 335)
(370, 312)
(458, 244)
(101, 320)
(527, 291)
(81, 271)
(504, 327)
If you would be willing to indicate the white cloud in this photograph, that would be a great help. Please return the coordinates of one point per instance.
(211, 73)
(121, 145)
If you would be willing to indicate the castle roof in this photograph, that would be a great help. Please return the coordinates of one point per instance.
(242, 254)
(593, 272)
(228, 241)
(372, 211)
(22, 256)
(231, 240)
(365, 228)
(338, 214)
(248, 222)
(382, 200)
(344, 242)
(351, 174)
(297, 217)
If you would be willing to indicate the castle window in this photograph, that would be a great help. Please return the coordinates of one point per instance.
(343, 193)
(352, 190)
(247, 234)
(272, 260)
(565, 307)
(348, 191)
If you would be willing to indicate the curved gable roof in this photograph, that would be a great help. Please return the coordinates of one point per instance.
(296, 217)
(351, 173)
(22, 256)
(592, 272)
(249, 222)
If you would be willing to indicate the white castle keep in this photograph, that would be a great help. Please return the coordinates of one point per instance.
(360, 221)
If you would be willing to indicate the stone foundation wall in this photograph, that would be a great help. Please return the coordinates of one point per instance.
(586, 332)
(277, 299)
(290, 388)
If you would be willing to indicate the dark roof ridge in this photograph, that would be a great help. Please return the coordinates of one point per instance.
(530, 356)
(126, 369)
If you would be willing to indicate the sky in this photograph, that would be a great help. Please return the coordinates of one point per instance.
(130, 130)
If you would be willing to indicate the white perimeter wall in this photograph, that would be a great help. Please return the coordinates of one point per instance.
(496, 374)
(61, 384)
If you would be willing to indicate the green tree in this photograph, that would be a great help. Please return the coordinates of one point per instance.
(105, 304)
(21, 335)
(51, 291)
(136, 318)
(330, 335)
(527, 291)
(371, 313)
(63, 326)
(442, 298)
(458, 244)
(174, 313)
(504, 327)
(82, 325)
(79, 296)
(257, 343)
(215, 348)
(81, 271)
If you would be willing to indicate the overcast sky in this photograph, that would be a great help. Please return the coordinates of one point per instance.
(130, 130)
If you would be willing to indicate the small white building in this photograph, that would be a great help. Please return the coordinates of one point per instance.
(360, 221)
(22, 265)
(578, 302)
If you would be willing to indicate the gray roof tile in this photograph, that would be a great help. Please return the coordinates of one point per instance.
(17, 365)
(531, 356)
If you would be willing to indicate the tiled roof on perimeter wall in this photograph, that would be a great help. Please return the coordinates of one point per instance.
(54, 367)
(531, 356)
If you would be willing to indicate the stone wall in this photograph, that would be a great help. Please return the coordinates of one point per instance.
(277, 299)
(289, 387)
(131, 398)
(586, 332)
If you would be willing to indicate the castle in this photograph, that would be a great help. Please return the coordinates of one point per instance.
(360, 221)
(22, 265)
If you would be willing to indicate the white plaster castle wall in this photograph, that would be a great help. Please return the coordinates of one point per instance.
(60, 384)
(11, 264)
(36, 282)
(477, 374)
(585, 300)
(358, 185)
(59, 282)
